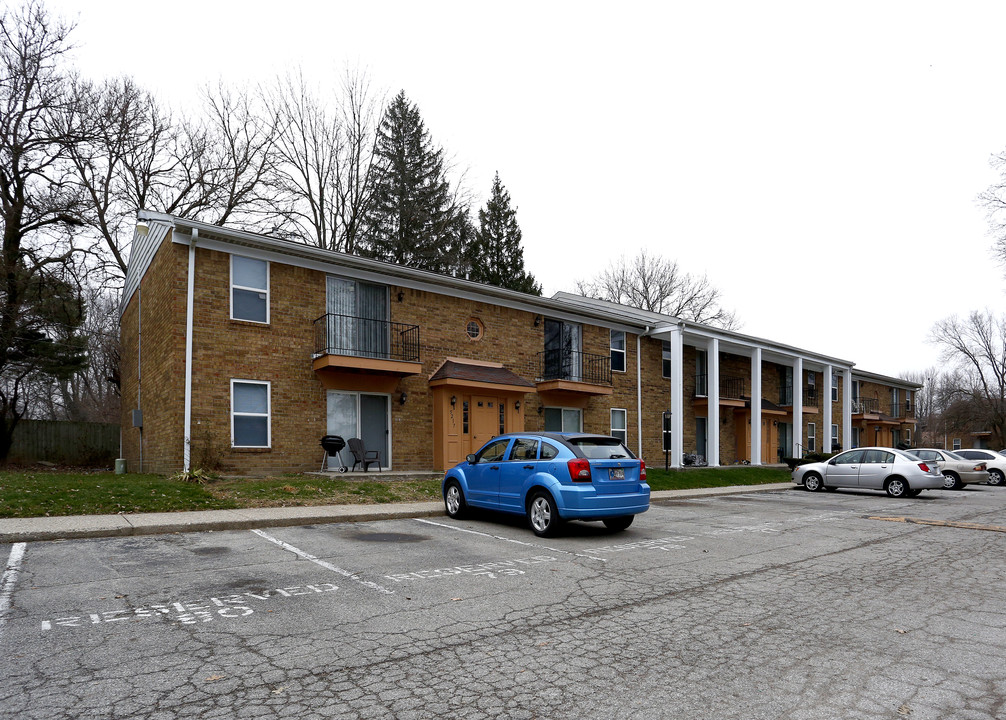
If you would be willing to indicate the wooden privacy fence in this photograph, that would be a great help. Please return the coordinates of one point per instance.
(66, 443)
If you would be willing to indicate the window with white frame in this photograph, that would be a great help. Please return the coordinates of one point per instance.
(249, 289)
(665, 358)
(617, 351)
(563, 419)
(618, 425)
(250, 414)
(908, 436)
(811, 437)
(834, 438)
(834, 386)
(957, 443)
(701, 373)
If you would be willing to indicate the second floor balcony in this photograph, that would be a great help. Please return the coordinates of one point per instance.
(572, 370)
(731, 387)
(353, 343)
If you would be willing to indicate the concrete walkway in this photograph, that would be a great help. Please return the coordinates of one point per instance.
(90, 526)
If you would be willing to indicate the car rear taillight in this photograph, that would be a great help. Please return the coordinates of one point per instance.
(642, 470)
(579, 469)
(979, 466)
(924, 467)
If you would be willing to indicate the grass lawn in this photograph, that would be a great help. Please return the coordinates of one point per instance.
(660, 479)
(38, 493)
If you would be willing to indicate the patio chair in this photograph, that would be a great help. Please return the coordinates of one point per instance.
(362, 456)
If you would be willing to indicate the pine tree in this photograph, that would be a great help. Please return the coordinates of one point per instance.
(496, 257)
(415, 219)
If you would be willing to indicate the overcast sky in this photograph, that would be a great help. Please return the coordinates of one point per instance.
(818, 161)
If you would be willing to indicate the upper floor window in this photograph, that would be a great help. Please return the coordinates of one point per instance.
(249, 289)
(834, 386)
(617, 351)
(562, 356)
(665, 358)
(701, 373)
(811, 437)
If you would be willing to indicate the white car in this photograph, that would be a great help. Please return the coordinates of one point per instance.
(996, 463)
(957, 471)
(897, 472)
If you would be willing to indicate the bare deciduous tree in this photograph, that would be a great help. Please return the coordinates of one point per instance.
(994, 202)
(659, 285)
(326, 159)
(976, 346)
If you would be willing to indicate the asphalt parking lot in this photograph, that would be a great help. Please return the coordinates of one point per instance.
(764, 605)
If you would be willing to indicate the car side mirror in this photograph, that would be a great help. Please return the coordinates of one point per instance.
(471, 459)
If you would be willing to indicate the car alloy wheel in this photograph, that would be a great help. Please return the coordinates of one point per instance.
(897, 488)
(812, 481)
(454, 500)
(951, 481)
(542, 515)
(995, 477)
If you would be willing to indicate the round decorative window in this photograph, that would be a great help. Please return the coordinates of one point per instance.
(474, 329)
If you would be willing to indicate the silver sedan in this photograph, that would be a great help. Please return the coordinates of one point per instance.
(897, 472)
(957, 471)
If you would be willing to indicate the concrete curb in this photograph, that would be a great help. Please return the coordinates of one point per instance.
(96, 526)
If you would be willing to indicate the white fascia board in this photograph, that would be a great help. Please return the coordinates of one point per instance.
(885, 380)
(699, 336)
(320, 260)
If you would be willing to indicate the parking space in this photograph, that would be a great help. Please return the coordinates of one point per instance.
(763, 604)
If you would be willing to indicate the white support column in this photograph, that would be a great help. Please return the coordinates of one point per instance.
(756, 407)
(826, 407)
(797, 406)
(847, 409)
(677, 392)
(713, 415)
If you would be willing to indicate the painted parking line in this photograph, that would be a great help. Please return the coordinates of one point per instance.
(7, 580)
(327, 565)
(940, 523)
(506, 539)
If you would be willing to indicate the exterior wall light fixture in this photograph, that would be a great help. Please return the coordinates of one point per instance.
(402, 398)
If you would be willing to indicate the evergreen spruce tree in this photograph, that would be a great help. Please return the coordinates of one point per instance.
(496, 257)
(414, 219)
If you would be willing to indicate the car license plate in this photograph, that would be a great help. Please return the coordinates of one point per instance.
(616, 474)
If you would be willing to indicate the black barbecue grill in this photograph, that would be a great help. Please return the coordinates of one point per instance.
(333, 445)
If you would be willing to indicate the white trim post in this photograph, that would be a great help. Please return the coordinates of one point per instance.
(189, 308)
(713, 404)
(826, 406)
(677, 391)
(847, 409)
(797, 407)
(756, 406)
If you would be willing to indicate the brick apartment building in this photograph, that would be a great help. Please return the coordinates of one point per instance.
(240, 351)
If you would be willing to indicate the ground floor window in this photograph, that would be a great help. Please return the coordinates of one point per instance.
(855, 437)
(250, 413)
(618, 425)
(835, 447)
(811, 437)
(700, 438)
(563, 419)
(895, 438)
(957, 443)
(360, 415)
(908, 437)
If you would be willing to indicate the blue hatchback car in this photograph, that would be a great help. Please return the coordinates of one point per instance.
(551, 478)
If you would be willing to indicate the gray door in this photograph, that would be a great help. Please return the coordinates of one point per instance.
(700, 437)
(876, 466)
(374, 425)
(843, 470)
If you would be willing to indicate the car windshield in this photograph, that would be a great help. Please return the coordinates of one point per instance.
(597, 448)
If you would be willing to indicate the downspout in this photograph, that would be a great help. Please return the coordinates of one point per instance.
(639, 391)
(189, 303)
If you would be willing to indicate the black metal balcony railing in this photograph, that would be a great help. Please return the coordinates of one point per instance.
(786, 395)
(909, 409)
(865, 405)
(904, 409)
(574, 366)
(810, 395)
(363, 337)
(731, 388)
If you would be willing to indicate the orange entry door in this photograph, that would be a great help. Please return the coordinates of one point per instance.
(485, 420)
